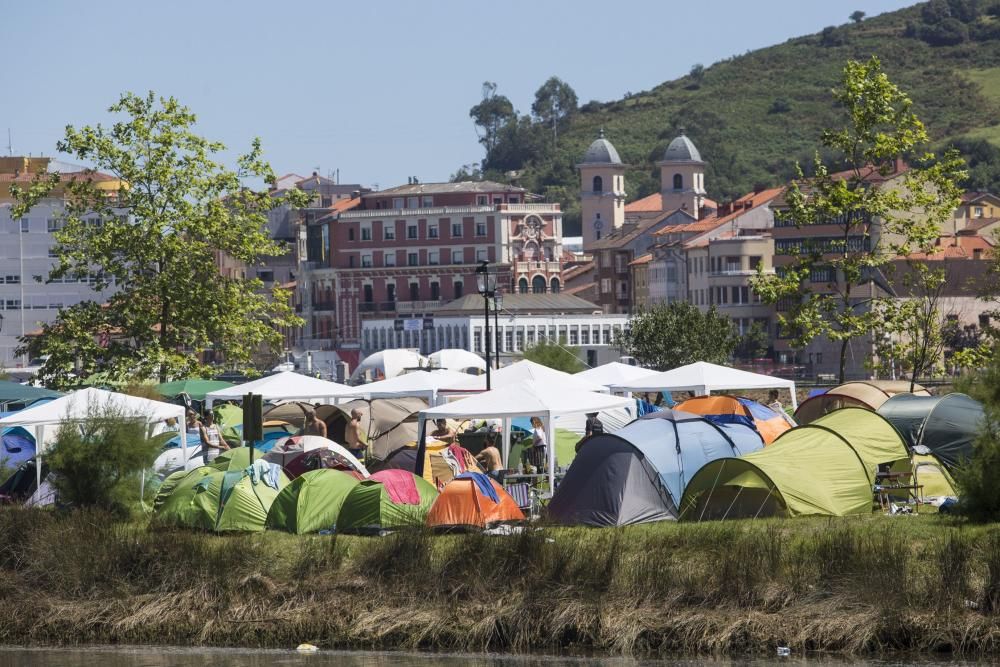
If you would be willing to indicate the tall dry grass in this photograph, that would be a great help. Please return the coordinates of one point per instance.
(853, 586)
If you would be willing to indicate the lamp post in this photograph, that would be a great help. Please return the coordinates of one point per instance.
(486, 281)
(497, 305)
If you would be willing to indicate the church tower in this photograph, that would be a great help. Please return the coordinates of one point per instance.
(682, 176)
(602, 191)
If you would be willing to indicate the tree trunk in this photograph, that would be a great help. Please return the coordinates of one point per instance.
(164, 315)
(843, 358)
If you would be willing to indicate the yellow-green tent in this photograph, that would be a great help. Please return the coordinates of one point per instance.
(824, 468)
(929, 473)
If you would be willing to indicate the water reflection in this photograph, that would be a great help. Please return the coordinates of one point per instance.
(155, 656)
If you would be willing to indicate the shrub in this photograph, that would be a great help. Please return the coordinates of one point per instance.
(978, 480)
(97, 462)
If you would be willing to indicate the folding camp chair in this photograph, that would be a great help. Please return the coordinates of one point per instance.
(521, 493)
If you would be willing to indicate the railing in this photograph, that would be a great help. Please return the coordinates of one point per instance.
(428, 212)
(544, 265)
(530, 208)
(417, 306)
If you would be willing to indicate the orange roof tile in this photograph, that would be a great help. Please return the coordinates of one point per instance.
(645, 259)
(648, 204)
(345, 204)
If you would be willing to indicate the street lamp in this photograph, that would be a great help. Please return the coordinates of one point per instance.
(497, 305)
(486, 281)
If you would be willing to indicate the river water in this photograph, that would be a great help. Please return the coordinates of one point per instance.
(156, 656)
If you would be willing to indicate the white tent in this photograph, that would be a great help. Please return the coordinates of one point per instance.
(422, 384)
(389, 363)
(456, 360)
(284, 386)
(528, 370)
(613, 373)
(81, 404)
(287, 448)
(528, 398)
(702, 377)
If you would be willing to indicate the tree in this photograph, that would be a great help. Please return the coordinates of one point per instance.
(877, 214)
(97, 462)
(753, 343)
(554, 355)
(554, 102)
(857, 16)
(156, 240)
(490, 115)
(978, 481)
(921, 322)
(675, 334)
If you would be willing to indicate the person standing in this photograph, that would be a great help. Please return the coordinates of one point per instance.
(539, 445)
(594, 426)
(352, 434)
(313, 425)
(442, 431)
(489, 459)
(212, 442)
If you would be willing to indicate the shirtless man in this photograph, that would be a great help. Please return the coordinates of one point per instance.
(442, 432)
(489, 458)
(352, 433)
(313, 425)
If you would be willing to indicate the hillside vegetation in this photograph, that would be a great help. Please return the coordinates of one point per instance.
(755, 116)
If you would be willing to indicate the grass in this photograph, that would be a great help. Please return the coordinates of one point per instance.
(855, 586)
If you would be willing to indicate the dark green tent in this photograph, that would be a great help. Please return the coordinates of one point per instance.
(196, 389)
(14, 396)
(945, 425)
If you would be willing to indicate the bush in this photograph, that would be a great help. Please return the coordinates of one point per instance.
(97, 462)
(978, 480)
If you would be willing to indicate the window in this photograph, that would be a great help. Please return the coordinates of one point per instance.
(574, 336)
(412, 202)
(13, 304)
(367, 290)
(755, 262)
(678, 182)
(432, 257)
(513, 199)
(456, 230)
(605, 336)
(350, 234)
(53, 224)
(411, 231)
(412, 259)
(366, 261)
(538, 285)
(427, 201)
(984, 321)
(822, 274)
(483, 200)
(605, 285)
(458, 290)
(621, 265)
(435, 290)
(480, 229)
(732, 264)
(671, 273)
(497, 201)
(414, 292)
(598, 184)
(389, 259)
(585, 336)
(397, 202)
(326, 202)
(390, 292)
(266, 275)
(432, 230)
(457, 256)
(388, 232)
(979, 211)
(366, 233)
(52, 252)
(481, 255)
(350, 262)
(24, 225)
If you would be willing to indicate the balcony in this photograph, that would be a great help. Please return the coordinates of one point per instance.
(323, 306)
(417, 306)
(530, 208)
(530, 266)
(415, 212)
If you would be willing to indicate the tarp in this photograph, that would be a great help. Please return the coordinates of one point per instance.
(387, 364)
(463, 505)
(369, 507)
(196, 389)
(456, 360)
(825, 468)
(311, 502)
(285, 386)
(387, 423)
(529, 370)
(613, 373)
(868, 394)
(946, 425)
(420, 384)
(442, 462)
(736, 409)
(703, 378)
(638, 474)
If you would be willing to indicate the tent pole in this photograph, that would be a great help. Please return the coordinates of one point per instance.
(184, 441)
(550, 437)
(735, 498)
(505, 425)
(39, 441)
(764, 502)
(418, 468)
(717, 476)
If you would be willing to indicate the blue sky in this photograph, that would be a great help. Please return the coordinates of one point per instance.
(379, 90)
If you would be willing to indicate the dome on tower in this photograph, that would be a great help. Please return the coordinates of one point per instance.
(601, 151)
(682, 149)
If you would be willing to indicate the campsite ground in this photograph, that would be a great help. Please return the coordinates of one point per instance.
(855, 586)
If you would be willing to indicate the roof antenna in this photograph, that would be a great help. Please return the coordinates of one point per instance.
(10, 147)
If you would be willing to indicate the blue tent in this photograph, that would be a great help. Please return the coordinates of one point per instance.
(638, 473)
(16, 446)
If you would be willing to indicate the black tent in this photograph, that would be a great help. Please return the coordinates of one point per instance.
(945, 425)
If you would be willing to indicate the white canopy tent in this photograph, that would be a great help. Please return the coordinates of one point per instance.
(527, 398)
(389, 363)
(613, 373)
(531, 371)
(702, 377)
(84, 403)
(285, 386)
(455, 359)
(422, 384)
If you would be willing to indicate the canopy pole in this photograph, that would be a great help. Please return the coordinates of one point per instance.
(418, 468)
(795, 402)
(551, 442)
(184, 441)
(505, 425)
(39, 442)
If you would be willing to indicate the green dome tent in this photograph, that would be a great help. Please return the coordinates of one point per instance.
(311, 502)
(826, 468)
(945, 425)
(388, 500)
(210, 498)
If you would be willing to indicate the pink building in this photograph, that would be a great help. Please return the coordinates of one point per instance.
(405, 251)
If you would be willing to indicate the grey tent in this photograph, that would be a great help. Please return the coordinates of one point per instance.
(945, 425)
(638, 473)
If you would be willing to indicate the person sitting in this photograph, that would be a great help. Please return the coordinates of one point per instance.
(442, 431)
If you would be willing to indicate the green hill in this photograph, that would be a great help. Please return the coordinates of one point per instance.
(754, 116)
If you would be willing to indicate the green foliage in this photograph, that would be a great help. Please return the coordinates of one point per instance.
(156, 239)
(554, 355)
(875, 219)
(675, 334)
(753, 344)
(97, 462)
(979, 480)
(554, 102)
(491, 114)
(857, 16)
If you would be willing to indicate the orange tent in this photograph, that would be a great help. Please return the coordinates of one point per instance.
(731, 409)
(473, 500)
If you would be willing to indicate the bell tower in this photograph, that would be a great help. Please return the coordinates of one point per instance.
(682, 176)
(602, 191)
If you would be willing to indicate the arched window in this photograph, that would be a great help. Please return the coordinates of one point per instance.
(678, 182)
(598, 184)
(522, 285)
(554, 286)
(538, 284)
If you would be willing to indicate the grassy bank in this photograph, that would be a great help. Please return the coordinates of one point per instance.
(856, 586)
